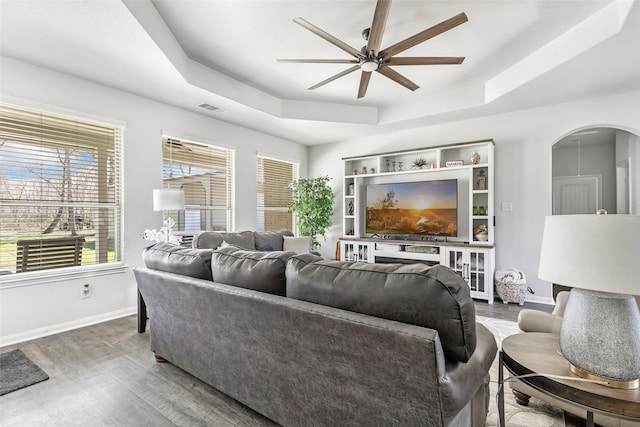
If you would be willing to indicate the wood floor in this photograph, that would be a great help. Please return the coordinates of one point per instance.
(105, 375)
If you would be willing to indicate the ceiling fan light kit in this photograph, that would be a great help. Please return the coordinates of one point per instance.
(370, 58)
(368, 65)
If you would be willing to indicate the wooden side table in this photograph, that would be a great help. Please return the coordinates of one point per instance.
(538, 353)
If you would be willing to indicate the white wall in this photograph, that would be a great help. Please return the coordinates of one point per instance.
(32, 309)
(523, 167)
(628, 147)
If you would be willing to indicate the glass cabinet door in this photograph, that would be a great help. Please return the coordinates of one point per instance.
(355, 251)
(476, 271)
(455, 261)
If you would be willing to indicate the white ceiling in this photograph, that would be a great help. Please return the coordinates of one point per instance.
(519, 54)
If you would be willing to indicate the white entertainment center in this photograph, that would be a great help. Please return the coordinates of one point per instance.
(471, 252)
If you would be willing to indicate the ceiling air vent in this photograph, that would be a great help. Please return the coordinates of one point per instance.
(209, 107)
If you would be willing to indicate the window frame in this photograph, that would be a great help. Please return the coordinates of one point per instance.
(169, 163)
(260, 206)
(101, 268)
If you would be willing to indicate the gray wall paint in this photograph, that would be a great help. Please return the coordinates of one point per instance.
(523, 171)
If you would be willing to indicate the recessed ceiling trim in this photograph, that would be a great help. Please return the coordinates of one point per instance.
(594, 30)
(220, 84)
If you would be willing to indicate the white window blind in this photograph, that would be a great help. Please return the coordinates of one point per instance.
(274, 194)
(59, 188)
(205, 173)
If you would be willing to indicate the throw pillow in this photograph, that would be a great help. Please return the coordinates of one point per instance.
(299, 245)
(257, 270)
(266, 239)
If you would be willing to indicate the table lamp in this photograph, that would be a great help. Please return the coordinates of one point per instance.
(599, 256)
(166, 199)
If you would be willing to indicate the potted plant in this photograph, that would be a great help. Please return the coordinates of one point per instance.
(419, 163)
(312, 203)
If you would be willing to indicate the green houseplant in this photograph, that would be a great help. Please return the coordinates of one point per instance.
(312, 203)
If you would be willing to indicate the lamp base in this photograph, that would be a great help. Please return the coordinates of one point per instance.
(600, 335)
(625, 385)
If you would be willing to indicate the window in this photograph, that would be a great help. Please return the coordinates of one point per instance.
(274, 194)
(205, 173)
(60, 201)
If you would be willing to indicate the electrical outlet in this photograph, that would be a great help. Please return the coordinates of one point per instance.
(85, 292)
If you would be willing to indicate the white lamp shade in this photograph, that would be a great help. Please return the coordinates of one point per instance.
(594, 252)
(168, 199)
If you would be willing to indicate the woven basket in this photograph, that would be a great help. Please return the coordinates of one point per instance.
(511, 286)
(511, 292)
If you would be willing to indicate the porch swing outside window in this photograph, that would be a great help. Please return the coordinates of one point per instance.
(59, 182)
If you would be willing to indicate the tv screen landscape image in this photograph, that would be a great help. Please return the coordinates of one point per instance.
(425, 208)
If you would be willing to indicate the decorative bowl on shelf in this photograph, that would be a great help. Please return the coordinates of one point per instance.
(482, 237)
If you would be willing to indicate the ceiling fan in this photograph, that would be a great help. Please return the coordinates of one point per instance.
(371, 58)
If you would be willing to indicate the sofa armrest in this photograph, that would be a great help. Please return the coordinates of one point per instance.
(461, 381)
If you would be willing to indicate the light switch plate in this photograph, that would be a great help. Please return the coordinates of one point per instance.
(506, 207)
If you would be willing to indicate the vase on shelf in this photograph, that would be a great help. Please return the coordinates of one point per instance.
(475, 158)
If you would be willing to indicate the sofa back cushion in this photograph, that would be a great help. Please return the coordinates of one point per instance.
(432, 297)
(257, 270)
(270, 240)
(177, 259)
(213, 239)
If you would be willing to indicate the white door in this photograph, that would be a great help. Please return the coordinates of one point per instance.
(576, 194)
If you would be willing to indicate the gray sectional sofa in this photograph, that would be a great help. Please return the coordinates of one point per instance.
(306, 341)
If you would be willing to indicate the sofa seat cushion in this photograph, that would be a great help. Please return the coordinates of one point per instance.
(270, 240)
(213, 239)
(177, 259)
(257, 270)
(432, 297)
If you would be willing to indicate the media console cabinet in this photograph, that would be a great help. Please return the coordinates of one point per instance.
(470, 164)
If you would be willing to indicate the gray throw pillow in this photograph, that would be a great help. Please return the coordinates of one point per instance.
(265, 240)
(257, 270)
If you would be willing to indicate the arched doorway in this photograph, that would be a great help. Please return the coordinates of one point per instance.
(596, 168)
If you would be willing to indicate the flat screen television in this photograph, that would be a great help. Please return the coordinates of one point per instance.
(424, 208)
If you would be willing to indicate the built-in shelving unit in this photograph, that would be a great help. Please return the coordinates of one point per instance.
(470, 253)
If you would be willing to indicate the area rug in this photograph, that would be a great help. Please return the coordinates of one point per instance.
(18, 371)
(538, 413)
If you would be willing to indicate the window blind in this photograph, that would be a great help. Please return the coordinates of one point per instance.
(59, 179)
(205, 173)
(274, 194)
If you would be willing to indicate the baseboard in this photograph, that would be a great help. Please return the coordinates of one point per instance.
(66, 326)
(539, 300)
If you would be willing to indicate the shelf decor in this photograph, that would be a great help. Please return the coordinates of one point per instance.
(419, 163)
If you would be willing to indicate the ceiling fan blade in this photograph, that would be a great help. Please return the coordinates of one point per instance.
(397, 77)
(364, 84)
(427, 60)
(425, 35)
(319, 61)
(377, 26)
(328, 37)
(337, 76)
